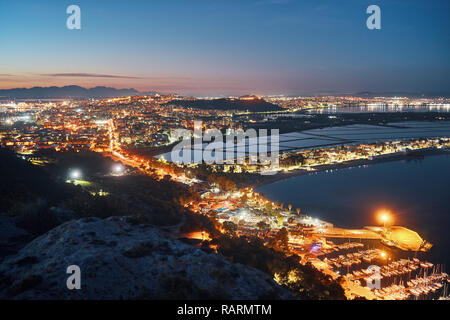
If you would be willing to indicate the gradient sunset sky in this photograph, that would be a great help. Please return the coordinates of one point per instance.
(213, 47)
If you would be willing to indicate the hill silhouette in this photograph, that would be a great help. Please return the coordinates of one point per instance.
(254, 105)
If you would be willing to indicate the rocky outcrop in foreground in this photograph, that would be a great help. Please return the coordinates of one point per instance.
(122, 260)
(12, 237)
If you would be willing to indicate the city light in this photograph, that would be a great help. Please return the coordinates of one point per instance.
(75, 174)
(384, 216)
(118, 168)
(241, 179)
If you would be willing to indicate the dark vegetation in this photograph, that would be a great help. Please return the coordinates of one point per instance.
(256, 105)
(91, 164)
(155, 202)
(227, 180)
(309, 282)
(23, 182)
(196, 222)
(40, 199)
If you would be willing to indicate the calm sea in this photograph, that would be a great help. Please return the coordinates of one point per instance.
(417, 192)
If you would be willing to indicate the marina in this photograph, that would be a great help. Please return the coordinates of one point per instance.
(387, 277)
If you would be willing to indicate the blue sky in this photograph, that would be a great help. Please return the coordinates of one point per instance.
(209, 47)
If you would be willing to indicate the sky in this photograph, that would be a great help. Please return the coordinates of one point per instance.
(222, 47)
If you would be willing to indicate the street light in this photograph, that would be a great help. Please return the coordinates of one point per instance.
(118, 168)
(75, 174)
(384, 217)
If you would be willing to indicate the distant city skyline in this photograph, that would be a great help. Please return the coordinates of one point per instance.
(207, 48)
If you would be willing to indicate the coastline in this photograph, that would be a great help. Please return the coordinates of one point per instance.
(351, 164)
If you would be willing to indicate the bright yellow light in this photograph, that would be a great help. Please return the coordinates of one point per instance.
(383, 254)
(384, 216)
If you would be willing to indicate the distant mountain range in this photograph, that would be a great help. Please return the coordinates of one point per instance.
(74, 91)
(65, 92)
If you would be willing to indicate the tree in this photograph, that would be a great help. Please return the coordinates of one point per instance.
(280, 241)
(263, 227)
(244, 199)
(298, 211)
(269, 207)
(230, 228)
(280, 220)
(290, 207)
(305, 281)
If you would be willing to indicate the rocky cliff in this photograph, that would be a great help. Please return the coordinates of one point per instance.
(122, 260)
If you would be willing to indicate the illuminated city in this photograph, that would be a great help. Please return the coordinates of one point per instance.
(330, 183)
(134, 130)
